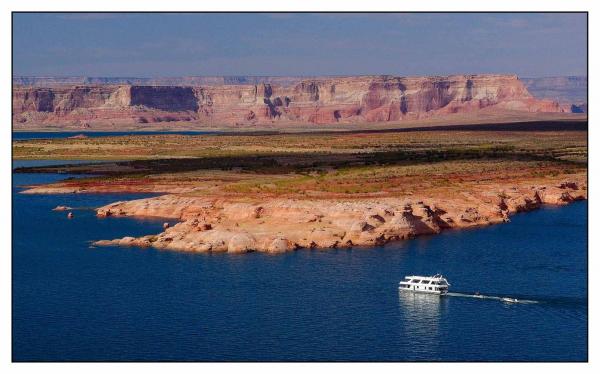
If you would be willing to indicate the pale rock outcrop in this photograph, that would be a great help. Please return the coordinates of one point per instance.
(241, 243)
(279, 245)
(279, 225)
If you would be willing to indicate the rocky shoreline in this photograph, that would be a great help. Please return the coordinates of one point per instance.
(279, 225)
(278, 193)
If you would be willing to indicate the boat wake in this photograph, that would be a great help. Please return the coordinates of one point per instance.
(489, 297)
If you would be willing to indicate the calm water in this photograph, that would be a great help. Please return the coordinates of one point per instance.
(17, 135)
(73, 302)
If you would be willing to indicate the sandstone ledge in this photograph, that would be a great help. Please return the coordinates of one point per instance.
(280, 225)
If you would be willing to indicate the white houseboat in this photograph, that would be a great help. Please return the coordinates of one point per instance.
(436, 284)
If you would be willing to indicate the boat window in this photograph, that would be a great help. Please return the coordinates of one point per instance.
(425, 282)
(415, 281)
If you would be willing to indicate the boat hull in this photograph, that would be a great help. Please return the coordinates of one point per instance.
(440, 293)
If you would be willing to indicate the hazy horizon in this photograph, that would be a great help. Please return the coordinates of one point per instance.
(152, 45)
(254, 75)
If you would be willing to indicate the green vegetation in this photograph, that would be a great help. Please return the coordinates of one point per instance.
(352, 164)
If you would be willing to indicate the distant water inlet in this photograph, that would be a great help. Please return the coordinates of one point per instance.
(22, 135)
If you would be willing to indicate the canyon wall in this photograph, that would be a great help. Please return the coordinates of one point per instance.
(366, 99)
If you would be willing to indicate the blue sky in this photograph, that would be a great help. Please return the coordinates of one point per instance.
(152, 45)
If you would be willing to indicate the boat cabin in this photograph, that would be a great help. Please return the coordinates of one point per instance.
(436, 284)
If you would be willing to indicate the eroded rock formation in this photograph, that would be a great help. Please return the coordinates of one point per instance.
(280, 225)
(311, 101)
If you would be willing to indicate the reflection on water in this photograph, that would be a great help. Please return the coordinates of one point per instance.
(421, 313)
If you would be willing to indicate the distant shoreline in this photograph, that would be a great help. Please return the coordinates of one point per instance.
(574, 122)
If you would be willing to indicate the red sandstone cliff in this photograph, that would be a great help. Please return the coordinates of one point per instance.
(316, 101)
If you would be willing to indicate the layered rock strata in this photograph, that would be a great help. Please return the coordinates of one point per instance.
(365, 99)
(280, 225)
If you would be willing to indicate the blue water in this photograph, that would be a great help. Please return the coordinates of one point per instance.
(72, 302)
(18, 135)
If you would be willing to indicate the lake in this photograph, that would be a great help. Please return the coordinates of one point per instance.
(73, 302)
(26, 135)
